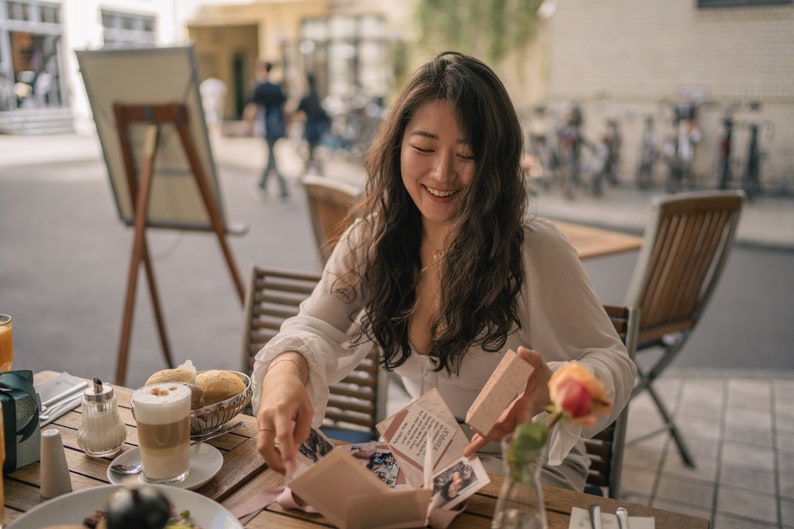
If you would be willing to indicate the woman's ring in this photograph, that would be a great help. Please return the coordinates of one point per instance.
(267, 430)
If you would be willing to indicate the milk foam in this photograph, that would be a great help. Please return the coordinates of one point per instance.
(161, 403)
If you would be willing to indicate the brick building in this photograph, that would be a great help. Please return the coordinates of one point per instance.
(630, 58)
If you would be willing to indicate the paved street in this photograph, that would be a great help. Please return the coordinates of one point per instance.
(65, 256)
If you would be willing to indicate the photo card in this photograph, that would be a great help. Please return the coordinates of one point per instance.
(457, 482)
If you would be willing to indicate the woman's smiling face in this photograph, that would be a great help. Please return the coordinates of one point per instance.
(436, 162)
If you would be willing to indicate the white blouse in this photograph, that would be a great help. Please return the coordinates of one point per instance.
(561, 318)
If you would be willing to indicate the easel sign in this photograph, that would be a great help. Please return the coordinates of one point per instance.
(152, 76)
(148, 115)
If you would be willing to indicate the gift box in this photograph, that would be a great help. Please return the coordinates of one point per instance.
(20, 419)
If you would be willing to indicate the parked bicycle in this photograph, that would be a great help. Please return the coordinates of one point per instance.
(569, 148)
(679, 147)
(751, 174)
(649, 154)
(606, 154)
(543, 160)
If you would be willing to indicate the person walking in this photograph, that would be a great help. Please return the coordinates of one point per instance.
(268, 101)
(317, 123)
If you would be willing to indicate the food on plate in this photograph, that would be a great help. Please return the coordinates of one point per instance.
(136, 507)
(219, 385)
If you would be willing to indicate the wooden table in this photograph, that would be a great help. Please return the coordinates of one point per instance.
(596, 242)
(244, 474)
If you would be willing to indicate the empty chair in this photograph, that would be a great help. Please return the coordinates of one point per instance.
(685, 247)
(355, 404)
(329, 202)
(605, 449)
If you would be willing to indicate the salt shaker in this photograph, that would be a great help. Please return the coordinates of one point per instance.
(55, 479)
(102, 433)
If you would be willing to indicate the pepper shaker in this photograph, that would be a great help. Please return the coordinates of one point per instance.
(102, 433)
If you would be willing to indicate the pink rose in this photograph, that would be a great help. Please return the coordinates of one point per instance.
(577, 394)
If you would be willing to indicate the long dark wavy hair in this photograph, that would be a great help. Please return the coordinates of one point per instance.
(482, 272)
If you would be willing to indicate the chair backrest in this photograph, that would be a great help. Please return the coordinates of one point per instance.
(605, 449)
(687, 241)
(355, 404)
(329, 202)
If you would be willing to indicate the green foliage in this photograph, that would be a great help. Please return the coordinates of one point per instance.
(528, 441)
(490, 29)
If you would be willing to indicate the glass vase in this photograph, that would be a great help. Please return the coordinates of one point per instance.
(520, 503)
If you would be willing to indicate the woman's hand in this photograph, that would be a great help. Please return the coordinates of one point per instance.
(285, 411)
(533, 401)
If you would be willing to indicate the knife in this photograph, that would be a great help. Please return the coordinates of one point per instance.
(64, 395)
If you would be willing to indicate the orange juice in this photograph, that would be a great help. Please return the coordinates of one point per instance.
(6, 343)
(2, 460)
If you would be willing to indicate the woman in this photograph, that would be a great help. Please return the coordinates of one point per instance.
(444, 273)
(316, 124)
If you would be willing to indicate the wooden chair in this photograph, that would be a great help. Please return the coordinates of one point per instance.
(685, 247)
(605, 449)
(355, 404)
(329, 202)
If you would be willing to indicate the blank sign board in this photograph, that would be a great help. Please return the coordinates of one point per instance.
(152, 76)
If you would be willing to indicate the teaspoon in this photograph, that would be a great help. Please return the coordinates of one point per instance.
(135, 468)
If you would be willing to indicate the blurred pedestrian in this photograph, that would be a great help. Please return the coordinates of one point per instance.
(213, 98)
(317, 123)
(268, 97)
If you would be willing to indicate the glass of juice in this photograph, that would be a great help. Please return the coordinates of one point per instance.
(6, 343)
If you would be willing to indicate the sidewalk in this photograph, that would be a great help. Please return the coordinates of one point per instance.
(767, 221)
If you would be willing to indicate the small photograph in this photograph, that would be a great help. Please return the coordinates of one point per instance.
(455, 483)
(380, 460)
(316, 446)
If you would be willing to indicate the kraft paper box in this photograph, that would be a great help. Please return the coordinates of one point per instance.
(413, 476)
(20, 419)
(502, 387)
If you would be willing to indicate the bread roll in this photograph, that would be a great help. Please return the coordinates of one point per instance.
(172, 375)
(219, 385)
(196, 396)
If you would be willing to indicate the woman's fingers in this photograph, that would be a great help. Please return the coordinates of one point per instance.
(266, 446)
(477, 442)
(284, 417)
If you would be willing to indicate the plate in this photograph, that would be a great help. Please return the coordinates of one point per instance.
(73, 507)
(205, 462)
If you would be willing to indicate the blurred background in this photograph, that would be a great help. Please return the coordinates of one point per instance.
(706, 86)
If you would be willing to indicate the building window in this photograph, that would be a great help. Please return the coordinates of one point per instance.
(348, 53)
(127, 30)
(734, 3)
(31, 11)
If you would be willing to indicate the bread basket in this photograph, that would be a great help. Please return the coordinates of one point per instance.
(211, 417)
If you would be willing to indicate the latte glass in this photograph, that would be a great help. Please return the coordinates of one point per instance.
(162, 414)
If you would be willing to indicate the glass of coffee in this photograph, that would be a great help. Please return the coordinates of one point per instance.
(162, 413)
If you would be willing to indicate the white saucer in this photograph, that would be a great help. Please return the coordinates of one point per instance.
(205, 462)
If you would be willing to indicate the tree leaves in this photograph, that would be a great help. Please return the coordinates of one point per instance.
(489, 29)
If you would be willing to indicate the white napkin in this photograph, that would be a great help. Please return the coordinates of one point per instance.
(581, 518)
(61, 393)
